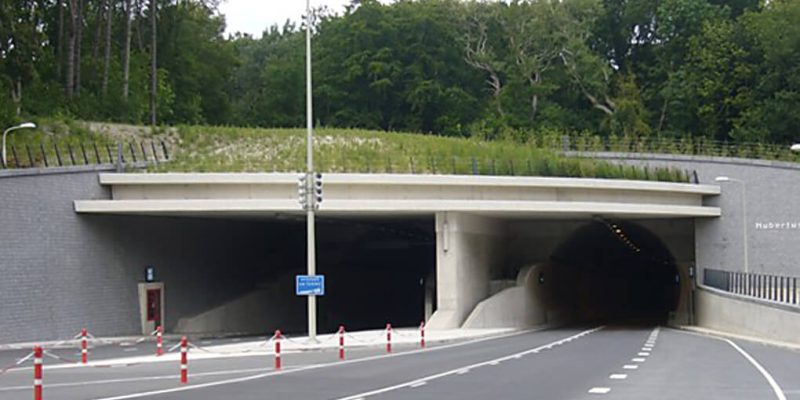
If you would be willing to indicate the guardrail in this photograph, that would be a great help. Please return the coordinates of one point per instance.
(53, 154)
(778, 288)
(671, 145)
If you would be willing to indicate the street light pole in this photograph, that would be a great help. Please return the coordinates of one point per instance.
(26, 125)
(311, 240)
(744, 215)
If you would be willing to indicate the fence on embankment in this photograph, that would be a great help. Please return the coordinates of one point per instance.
(55, 154)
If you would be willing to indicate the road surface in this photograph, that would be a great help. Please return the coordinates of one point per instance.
(608, 362)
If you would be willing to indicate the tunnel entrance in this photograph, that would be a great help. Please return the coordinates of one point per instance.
(621, 272)
(378, 271)
(237, 275)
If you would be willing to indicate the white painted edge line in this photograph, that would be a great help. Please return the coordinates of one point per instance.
(779, 394)
(618, 376)
(136, 379)
(599, 390)
(455, 371)
(772, 383)
(418, 384)
(310, 367)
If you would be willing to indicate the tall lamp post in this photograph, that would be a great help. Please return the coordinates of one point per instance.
(724, 179)
(26, 125)
(311, 240)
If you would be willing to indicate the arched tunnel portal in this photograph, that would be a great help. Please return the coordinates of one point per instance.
(619, 271)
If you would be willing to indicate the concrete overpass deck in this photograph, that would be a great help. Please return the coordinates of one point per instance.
(384, 194)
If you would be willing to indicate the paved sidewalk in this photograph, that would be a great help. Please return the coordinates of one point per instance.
(258, 346)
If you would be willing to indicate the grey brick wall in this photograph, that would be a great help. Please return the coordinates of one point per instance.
(773, 195)
(62, 271)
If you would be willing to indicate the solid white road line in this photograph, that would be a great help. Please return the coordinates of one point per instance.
(137, 379)
(454, 371)
(772, 383)
(618, 376)
(310, 367)
(418, 384)
(599, 390)
(779, 394)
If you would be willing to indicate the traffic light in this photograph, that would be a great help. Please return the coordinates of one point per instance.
(302, 190)
(317, 189)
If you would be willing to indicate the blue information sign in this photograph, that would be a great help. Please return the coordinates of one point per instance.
(310, 285)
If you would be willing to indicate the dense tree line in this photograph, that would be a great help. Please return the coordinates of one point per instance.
(726, 70)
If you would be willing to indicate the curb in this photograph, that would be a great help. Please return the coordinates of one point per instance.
(729, 335)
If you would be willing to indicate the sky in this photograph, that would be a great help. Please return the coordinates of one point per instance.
(253, 16)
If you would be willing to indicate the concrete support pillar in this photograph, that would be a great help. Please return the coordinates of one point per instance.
(430, 293)
(467, 247)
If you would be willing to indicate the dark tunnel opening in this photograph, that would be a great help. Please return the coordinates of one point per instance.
(237, 275)
(377, 271)
(621, 272)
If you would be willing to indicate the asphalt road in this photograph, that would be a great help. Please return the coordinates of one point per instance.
(617, 362)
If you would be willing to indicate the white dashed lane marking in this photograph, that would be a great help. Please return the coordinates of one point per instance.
(618, 376)
(630, 367)
(599, 390)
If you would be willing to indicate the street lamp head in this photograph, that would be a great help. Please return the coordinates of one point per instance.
(795, 147)
(29, 125)
(722, 179)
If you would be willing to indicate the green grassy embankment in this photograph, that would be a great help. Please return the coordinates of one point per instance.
(221, 149)
(226, 149)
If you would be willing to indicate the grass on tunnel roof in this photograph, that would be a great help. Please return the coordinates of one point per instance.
(227, 149)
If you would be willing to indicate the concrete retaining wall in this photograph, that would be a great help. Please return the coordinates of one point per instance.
(62, 271)
(750, 317)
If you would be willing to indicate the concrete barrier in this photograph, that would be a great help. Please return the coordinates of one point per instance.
(740, 315)
(525, 305)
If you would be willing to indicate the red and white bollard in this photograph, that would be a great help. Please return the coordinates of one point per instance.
(37, 373)
(84, 346)
(278, 349)
(388, 338)
(159, 342)
(184, 360)
(341, 342)
(422, 334)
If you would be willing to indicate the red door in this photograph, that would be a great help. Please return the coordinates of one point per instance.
(154, 306)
